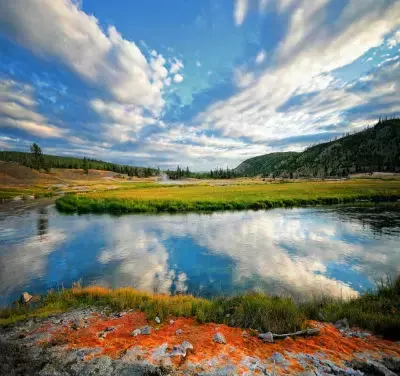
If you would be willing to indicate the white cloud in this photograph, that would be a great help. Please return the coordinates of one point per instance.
(242, 78)
(304, 61)
(17, 110)
(240, 11)
(394, 40)
(260, 57)
(198, 64)
(178, 78)
(60, 29)
(176, 66)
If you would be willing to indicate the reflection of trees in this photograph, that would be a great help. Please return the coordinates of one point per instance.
(42, 222)
(380, 218)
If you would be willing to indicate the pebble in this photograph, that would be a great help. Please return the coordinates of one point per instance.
(171, 322)
(178, 332)
(136, 332)
(146, 330)
(342, 324)
(158, 320)
(267, 337)
(219, 338)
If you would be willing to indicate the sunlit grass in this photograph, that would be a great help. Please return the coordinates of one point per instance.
(10, 192)
(155, 198)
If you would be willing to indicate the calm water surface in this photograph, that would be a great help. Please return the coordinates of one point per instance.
(336, 251)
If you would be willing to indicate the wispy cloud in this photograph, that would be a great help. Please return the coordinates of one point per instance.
(18, 111)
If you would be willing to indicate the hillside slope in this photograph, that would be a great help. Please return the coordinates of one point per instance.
(55, 161)
(265, 164)
(373, 149)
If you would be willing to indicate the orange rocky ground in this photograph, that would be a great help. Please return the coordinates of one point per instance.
(242, 354)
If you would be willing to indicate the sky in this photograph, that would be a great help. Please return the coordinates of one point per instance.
(199, 83)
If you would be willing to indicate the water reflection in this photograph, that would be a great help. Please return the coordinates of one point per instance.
(42, 222)
(335, 251)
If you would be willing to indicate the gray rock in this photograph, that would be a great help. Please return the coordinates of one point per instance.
(219, 338)
(278, 358)
(178, 332)
(370, 367)
(178, 351)
(182, 349)
(146, 330)
(392, 363)
(186, 345)
(132, 354)
(161, 356)
(136, 332)
(267, 337)
(157, 319)
(342, 324)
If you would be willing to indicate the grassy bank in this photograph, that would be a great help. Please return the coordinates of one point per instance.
(377, 311)
(230, 197)
(8, 193)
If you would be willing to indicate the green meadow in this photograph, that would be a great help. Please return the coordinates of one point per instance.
(207, 197)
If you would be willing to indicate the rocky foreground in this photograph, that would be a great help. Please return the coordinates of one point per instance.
(88, 342)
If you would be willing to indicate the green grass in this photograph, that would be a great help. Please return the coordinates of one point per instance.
(8, 193)
(377, 311)
(198, 198)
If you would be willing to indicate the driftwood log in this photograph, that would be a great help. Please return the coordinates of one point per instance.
(270, 337)
(300, 333)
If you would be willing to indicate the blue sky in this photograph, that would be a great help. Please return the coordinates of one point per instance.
(204, 83)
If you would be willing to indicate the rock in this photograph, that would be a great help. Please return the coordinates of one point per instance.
(177, 351)
(278, 357)
(136, 332)
(307, 373)
(219, 338)
(146, 330)
(182, 349)
(342, 324)
(370, 367)
(77, 324)
(120, 314)
(157, 320)
(109, 329)
(186, 345)
(171, 322)
(25, 298)
(178, 332)
(267, 337)
(392, 363)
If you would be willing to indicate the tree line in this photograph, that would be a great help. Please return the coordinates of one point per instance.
(37, 160)
(218, 173)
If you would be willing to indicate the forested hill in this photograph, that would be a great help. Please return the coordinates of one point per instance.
(373, 149)
(54, 161)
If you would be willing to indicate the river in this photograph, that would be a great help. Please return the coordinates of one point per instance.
(303, 252)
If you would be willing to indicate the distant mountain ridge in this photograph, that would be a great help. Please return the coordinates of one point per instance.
(373, 149)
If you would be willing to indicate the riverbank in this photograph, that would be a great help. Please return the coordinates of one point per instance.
(118, 332)
(199, 198)
(376, 311)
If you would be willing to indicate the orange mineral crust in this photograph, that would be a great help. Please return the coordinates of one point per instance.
(113, 337)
